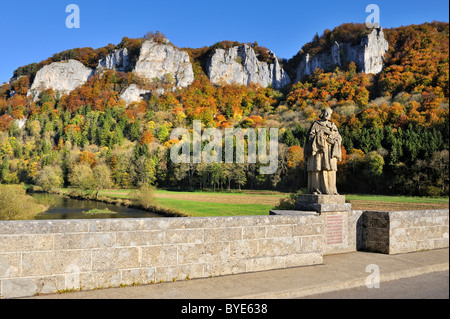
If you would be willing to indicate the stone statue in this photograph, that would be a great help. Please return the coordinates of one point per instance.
(322, 152)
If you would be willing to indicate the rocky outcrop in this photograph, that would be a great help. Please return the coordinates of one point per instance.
(21, 122)
(375, 46)
(63, 76)
(325, 61)
(133, 94)
(116, 60)
(157, 60)
(368, 55)
(240, 65)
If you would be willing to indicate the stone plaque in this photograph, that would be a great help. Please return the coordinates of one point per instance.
(334, 229)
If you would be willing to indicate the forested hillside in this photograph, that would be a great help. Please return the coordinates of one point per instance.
(395, 125)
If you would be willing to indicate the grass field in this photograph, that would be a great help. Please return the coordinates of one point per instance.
(261, 202)
(201, 209)
(201, 204)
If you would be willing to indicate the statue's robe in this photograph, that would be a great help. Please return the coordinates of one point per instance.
(322, 152)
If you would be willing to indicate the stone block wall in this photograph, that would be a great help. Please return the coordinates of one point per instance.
(47, 256)
(50, 256)
(418, 230)
(405, 231)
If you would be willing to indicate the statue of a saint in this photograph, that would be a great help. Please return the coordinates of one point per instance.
(322, 152)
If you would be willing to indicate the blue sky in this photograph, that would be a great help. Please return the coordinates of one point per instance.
(35, 30)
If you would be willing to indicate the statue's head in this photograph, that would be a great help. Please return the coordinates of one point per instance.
(326, 114)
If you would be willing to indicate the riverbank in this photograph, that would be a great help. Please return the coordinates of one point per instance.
(163, 212)
(16, 204)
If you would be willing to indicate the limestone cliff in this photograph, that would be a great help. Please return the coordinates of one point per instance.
(116, 60)
(156, 60)
(240, 65)
(367, 55)
(63, 76)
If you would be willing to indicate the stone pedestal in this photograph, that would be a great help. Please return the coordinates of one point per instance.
(322, 203)
(334, 211)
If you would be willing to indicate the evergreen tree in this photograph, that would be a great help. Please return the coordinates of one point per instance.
(135, 130)
(289, 138)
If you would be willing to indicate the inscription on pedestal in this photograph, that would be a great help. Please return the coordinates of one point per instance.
(334, 229)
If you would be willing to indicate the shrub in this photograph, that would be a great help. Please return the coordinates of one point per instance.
(288, 203)
(49, 178)
(82, 178)
(432, 191)
(144, 196)
(15, 204)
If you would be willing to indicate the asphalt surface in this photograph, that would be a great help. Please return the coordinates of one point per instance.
(337, 273)
(428, 286)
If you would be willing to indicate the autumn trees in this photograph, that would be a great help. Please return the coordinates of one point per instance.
(417, 60)
(394, 126)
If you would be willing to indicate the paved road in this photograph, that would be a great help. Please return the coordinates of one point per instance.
(429, 286)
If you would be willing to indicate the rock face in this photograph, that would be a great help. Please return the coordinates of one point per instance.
(21, 122)
(63, 76)
(325, 61)
(116, 60)
(240, 65)
(156, 60)
(133, 94)
(367, 55)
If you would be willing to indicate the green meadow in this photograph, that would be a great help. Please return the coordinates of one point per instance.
(199, 204)
(202, 209)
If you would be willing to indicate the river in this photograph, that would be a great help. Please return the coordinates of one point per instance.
(62, 207)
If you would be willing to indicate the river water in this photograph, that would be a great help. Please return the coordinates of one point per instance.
(63, 207)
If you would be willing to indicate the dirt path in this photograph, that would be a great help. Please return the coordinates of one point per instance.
(224, 198)
(390, 206)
